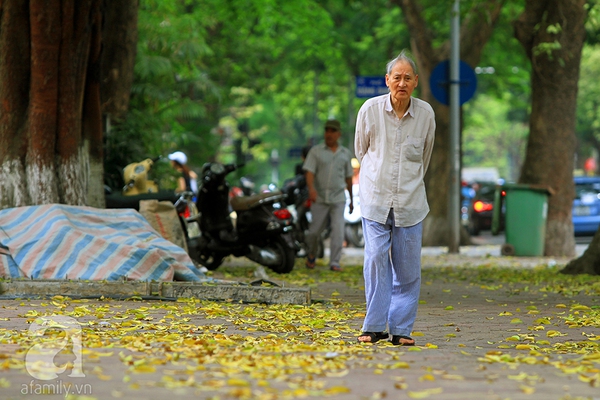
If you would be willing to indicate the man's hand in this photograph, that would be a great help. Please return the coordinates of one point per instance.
(312, 194)
(351, 206)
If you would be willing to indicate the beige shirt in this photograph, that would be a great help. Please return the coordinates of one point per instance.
(394, 155)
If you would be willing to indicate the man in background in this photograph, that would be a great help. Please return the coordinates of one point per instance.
(328, 175)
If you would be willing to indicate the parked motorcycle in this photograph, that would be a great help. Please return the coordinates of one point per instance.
(263, 230)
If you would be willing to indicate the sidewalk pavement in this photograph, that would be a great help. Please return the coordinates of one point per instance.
(473, 342)
(468, 255)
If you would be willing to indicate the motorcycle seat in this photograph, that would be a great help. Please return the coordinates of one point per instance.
(247, 202)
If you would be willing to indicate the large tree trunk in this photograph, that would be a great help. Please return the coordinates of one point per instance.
(119, 36)
(589, 262)
(50, 82)
(15, 56)
(552, 34)
(92, 116)
(45, 49)
(475, 32)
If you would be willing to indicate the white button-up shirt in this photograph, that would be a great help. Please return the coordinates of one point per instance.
(394, 155)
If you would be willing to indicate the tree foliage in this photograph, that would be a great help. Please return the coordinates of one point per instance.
(213, 78)
(588, 103)
(491, 138)
(237, 81)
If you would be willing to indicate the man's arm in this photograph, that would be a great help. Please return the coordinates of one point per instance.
(428, 150)
(310, 180)
(361, 140)
(349, 187)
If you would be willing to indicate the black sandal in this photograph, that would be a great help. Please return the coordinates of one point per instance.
(375, 336)
(396, 340)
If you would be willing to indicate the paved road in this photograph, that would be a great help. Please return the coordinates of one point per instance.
(486, 238)
(485, 244)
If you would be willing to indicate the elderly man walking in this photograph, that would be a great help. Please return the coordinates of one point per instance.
(394, 141)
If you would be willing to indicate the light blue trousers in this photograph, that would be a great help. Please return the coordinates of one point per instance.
(320, 213)
(392, 272)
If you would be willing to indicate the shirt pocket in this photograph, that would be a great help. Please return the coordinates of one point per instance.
(413, 150)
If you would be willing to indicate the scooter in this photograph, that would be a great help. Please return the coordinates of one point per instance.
(138, 187)
(263, 229)
(135, 176)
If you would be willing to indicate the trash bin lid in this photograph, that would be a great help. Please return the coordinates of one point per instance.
(526, 186)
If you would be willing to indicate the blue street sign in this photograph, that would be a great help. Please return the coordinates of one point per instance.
(440, 82)
(370, 86)
(295, 152)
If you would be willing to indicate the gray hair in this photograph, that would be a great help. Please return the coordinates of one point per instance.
(403, 56)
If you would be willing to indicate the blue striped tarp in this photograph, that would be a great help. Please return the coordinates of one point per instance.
(68, 242)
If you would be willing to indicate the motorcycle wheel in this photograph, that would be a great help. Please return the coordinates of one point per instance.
(287, 255)
(354, 235)
(211, 261)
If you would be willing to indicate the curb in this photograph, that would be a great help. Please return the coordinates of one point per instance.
(212, 290)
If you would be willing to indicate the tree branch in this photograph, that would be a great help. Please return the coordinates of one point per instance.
(477, 28)
(421, 36)
(525, 25)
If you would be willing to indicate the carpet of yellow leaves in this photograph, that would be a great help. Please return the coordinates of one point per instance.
(256, 351)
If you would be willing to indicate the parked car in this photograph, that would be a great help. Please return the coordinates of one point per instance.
(586, 205)
(482, 209)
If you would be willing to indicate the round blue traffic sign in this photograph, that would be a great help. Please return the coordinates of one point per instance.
(440, 82)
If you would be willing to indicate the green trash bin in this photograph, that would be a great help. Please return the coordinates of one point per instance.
(525, 219)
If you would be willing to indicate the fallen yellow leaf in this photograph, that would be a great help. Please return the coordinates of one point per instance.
(337, 390)
(423, 394)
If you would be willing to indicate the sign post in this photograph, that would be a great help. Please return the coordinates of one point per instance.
(454, 203)
(453, 82)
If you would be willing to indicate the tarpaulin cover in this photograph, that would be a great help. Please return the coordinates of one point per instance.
(69, 242)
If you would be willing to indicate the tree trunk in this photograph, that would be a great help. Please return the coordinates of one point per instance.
(15, 57)
(50, 113)
(119, 37)
(552, 34)
(42, 119)
(589, 262)
(71, 149)
(475, 32)
(92, 115)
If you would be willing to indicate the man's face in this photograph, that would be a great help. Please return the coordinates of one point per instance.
(331, 136)
(402, 81)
